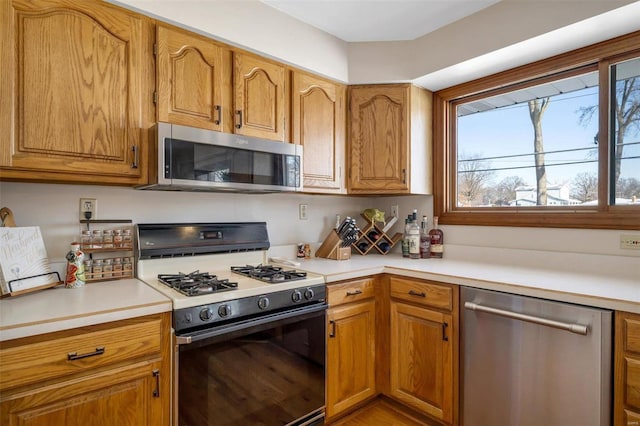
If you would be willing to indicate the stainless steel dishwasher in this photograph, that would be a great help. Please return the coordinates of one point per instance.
(534, 362)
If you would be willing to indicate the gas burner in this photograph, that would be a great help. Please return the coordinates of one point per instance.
(196, 283)
(269, 273)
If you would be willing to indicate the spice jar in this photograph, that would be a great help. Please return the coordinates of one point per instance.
(107, 238)
(117, 238)
(96, 238)
(117, 267)
(107, 268)
(96, 269)
(85, 239)
(127, 240)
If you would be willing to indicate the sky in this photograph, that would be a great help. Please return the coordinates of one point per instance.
(509, 131)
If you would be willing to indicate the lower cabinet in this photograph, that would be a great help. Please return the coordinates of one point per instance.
(393, 336)
(627, 370)
(422, 341)
(115, 373)
(350, 345)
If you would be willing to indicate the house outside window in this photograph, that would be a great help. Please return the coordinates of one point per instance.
(555, 143)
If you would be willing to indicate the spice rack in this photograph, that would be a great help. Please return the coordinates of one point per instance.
(374, 238)
(109, 247)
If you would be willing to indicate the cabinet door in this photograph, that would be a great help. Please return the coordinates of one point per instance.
(259, 97)
(422, 359)
(350, 355)
(125, 396)
(190, 72)
(318, 122)
(378, 144)
(76, 91)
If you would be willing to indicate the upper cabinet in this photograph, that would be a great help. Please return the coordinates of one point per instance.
(76, 91)
(259, 97)
(318, 121)
(390, 139)
(192, 75)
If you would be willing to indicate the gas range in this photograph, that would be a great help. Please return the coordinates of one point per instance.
(229, 261)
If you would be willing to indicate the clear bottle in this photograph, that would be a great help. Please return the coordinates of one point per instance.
(75, 267)
(414, 238)
(425, 239)
(405, 238)
(437, 240)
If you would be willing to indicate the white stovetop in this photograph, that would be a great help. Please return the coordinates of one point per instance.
(219, 265)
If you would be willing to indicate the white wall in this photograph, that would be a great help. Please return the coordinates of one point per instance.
(254, 26)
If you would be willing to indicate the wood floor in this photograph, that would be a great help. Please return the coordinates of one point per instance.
(381, 412)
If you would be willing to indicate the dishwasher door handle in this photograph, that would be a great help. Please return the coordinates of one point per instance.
(573, 328)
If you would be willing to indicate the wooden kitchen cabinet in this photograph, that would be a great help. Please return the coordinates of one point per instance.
(627, 369)
(76, 91)
(389, 139)
(423, 347)
(318, 117)
(259, 93)
(193, 80)
(351, 345)
(114, 373)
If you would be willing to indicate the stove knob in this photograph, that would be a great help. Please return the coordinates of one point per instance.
(205, 314)
(263, 303)
(296, 296)
(308, 294)
(224, 311)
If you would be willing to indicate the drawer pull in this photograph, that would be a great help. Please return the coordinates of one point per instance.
(332, 333)
(239, 122)
(72, 356)
(218, 120)
(156, 391)
(415, 293)
(354, 292)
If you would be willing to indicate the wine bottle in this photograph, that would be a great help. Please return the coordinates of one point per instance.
(437, 240)
(405, 238)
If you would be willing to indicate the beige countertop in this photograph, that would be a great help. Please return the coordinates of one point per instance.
(60, 308)
(611, 282)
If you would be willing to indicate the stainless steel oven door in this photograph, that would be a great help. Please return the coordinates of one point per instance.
(265, 371)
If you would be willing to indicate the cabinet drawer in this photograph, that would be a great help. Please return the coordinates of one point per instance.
(427, 294)
(350, 292)
(632, 383)
(77, 353)
(632, 334)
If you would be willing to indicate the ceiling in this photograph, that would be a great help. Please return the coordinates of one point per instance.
(378, 20)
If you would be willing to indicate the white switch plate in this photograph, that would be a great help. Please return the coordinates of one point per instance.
(630, 241)
(302, 211)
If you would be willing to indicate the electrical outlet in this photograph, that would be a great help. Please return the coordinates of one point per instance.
(394, 210)
(88, 208)
(302, 211)
(629, 241)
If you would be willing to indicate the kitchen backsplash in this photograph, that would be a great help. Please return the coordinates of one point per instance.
(55, 208)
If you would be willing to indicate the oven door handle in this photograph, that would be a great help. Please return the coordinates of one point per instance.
(185, 339)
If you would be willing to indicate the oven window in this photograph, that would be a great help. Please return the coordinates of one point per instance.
(274, 376)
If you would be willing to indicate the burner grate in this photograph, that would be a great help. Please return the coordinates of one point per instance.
(269, 273)
(196, 283)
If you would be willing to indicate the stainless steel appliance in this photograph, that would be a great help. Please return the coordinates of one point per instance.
(192, 159)
(532, 362)
(249, 337)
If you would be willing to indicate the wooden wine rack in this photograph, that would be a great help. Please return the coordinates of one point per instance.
(374, 244)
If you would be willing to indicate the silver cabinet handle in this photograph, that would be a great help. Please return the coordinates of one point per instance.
(134, 149)
(573, 328)
(72, 356)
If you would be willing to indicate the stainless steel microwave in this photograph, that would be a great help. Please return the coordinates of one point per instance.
(191, 159)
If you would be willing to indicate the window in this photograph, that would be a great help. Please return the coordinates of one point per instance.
(554, 143)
